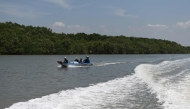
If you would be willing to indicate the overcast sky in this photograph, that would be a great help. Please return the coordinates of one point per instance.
(160, 19)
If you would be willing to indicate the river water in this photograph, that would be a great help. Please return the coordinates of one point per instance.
(113, 82)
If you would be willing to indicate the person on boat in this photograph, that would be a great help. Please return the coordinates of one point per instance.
(65, 60)
(87, 60)
(80, 61)
(76, 59)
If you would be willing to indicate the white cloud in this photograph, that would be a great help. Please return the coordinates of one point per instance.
(157, 26)
(184, 24)
(121, 13)
(58, 24)
(59, 2)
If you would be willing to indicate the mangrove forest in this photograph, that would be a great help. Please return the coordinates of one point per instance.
(16, 39)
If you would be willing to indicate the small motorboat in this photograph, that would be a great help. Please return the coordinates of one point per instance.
(74, 64)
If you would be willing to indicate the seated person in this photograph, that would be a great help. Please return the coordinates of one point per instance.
(80, 60)
(65, 60)
(76, 59)
(87, 60)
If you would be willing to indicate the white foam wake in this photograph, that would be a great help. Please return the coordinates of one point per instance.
(108, 63)
(169, 80)
(102, 95)
(59, 66)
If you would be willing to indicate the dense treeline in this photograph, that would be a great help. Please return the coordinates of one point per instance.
(21, 39)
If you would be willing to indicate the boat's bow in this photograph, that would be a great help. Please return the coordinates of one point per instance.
(60, 62)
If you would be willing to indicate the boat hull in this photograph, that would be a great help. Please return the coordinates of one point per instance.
(74, 64)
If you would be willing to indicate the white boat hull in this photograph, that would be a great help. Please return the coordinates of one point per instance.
(74, 64)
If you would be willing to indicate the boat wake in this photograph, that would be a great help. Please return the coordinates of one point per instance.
(169, 80)
(59, 66)
(108, 63)
(163, 85)
(111, 94)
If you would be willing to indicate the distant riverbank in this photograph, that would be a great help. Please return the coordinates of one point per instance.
(19, 39)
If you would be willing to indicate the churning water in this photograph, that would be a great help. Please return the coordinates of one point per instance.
(113, 82)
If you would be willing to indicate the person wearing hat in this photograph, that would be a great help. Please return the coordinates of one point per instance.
(80, 61)
(65, 60)
(76, 59)
(87, 60)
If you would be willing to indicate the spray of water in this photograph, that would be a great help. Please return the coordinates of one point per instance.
(169, 80)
